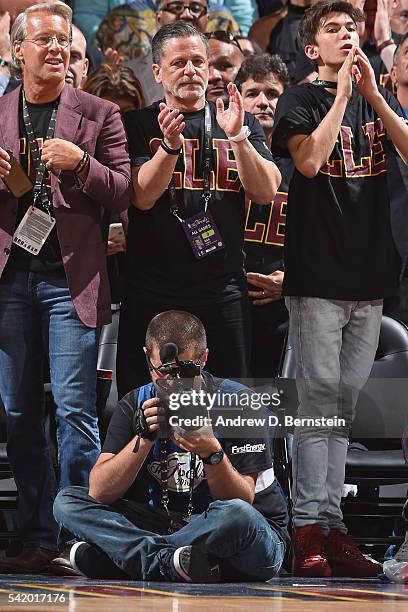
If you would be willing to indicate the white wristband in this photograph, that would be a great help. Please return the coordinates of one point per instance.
(244, 133)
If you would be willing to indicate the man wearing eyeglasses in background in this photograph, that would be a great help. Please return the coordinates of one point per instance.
(54, 290)
(170, 500)
(226, 57)
(9, 9)
(193, 11)
(168, 11)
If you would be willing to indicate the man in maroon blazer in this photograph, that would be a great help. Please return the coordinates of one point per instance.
(54, 292)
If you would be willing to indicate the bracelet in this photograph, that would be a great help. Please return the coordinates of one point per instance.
(85, 164)
(79, 164)
(244, 133)
(168, 149)
(82, 164)
(4, 63)
(385, 44)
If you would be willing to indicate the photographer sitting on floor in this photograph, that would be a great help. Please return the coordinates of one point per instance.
(198, 506)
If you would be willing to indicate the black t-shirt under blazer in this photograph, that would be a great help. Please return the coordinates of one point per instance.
(161, 262)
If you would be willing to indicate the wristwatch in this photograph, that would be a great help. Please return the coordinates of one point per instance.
(214, 458)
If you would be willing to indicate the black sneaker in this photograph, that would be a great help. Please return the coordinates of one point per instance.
(92, 562)
(188, 564)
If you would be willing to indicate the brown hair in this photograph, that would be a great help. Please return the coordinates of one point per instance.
(116, 81)
(259, 67)
(312, 20)
(178, 326)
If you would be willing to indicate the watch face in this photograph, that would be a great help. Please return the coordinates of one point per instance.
(216, 457)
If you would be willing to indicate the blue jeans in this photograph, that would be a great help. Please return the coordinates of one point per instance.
(134, 535)
(38, 318)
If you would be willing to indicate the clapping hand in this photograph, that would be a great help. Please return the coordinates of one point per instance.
(231, 119)
(172, 124)
(365, 77)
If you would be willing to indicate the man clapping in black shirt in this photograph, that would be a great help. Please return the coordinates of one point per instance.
(185, 240)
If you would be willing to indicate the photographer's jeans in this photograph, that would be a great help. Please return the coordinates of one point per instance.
(132, 535)
(335, 342)
(38, 318)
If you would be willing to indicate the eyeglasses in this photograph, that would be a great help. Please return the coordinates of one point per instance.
(227, 37)
(177, 8)
(46, 41)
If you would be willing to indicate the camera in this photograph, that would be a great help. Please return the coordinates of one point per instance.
(178, 384)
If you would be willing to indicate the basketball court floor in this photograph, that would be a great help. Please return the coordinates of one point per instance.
(285, 594)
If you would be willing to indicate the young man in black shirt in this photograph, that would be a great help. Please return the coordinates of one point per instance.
(261, 80)
(185, 239)
(340, 262)
(201, 505)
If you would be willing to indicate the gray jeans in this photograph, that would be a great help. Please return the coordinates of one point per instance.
(335, 342)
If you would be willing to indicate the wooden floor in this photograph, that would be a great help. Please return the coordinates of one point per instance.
(287, 594)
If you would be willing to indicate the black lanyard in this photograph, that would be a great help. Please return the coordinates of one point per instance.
(209, 383)
(174, 207)
(164, 474)
(327, 84)
(40, 194)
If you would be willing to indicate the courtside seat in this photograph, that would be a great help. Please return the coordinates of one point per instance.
(377, 466)
(382, 412)
(107, 394)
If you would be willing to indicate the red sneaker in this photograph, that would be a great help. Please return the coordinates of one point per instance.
(346, 559)
(308, 546)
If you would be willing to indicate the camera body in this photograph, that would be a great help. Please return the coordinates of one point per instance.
(178, 382)
(179, 390)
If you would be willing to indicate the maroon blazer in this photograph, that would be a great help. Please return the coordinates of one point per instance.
(95, 126)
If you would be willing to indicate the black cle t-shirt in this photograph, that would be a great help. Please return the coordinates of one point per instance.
(161, 262)
(49, 258)
(338, 242)
(265, 227)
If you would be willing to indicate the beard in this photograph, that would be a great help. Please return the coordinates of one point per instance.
(180, 91)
